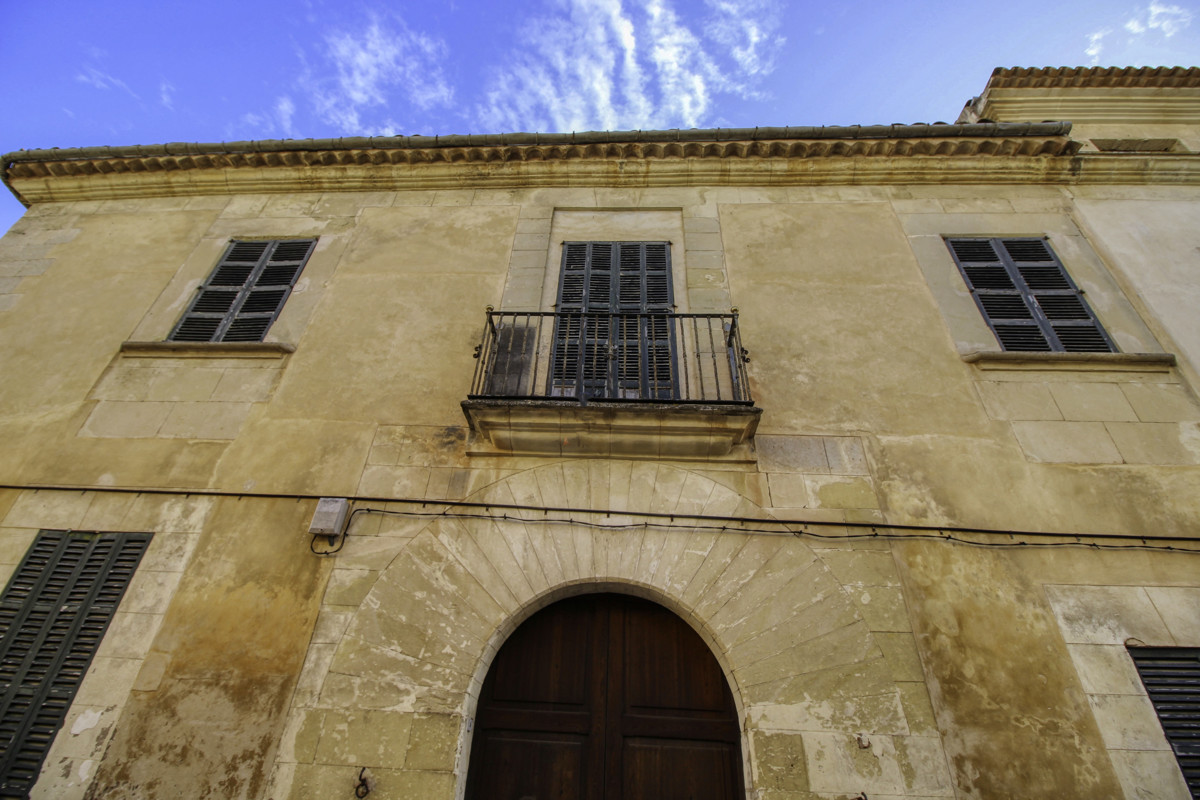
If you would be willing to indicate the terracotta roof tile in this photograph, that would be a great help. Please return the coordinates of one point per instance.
(1094, 77)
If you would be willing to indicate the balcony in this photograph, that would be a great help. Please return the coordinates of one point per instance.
(636, 384)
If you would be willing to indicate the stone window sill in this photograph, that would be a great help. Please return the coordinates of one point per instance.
(1109, 362)
(264, 350)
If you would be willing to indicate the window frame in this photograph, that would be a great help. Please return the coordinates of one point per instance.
(1041, 309)
(234, 304)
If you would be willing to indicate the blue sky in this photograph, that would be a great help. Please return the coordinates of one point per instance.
(135, 72)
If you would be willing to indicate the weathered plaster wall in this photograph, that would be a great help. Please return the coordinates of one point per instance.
(1098, 622)
(207, 707)
(124, 656)
(250, 677)
(1022, 706)
(1002, 682)
(850, 306)
(1152, 241)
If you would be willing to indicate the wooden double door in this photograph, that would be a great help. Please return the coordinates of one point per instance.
(605, 696)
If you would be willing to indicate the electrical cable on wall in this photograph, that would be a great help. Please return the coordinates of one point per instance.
(795, 528)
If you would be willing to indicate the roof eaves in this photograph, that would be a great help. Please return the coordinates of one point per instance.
(854, 132)
(1094, 77)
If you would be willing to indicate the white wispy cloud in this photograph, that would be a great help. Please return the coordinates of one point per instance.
(1096, 45)
(1158, 17)
(746, 29)
(102, 80)
(275, 122)
(285, 109)
(568, 70)
(382, 64)
(165, 91)
(682, 69)
(620, 64)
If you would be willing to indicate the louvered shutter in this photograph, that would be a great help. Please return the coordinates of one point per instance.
(597, 332)
(52, 617)
(245, 293)
(1027, 297)
(646, 346)
(606, 345)
(1171, 676)
(580, 362)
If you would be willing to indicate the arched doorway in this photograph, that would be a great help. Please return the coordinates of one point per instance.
(605, 696)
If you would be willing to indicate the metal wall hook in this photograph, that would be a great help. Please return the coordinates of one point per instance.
(366, 782)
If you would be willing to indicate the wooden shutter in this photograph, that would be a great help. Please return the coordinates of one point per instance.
(621, 344)
(245, 293)
(1027, 297)
(52, 617)
(1172, 679)
(580, 362)
(646, 345)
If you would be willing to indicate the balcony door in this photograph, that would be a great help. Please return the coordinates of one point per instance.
(614, 336)
(605, 697)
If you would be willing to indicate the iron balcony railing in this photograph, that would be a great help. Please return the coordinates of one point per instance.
(602, 356)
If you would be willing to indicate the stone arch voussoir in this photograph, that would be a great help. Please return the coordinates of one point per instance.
(794, 646)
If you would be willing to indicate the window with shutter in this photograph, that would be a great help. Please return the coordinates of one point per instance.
(1027, 297)
(613, 335)
(245, 293)
(53, 615)
(1171, 676)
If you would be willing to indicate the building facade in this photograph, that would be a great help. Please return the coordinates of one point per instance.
(775, 463)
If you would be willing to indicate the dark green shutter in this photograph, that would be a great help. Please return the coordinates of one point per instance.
(1171, 676)
(1027, 297)
(613, 337)
(245, 293)
(53, 615)
(647, 341)
(585, 282)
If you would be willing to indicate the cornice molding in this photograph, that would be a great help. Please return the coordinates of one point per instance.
(1094, 106)
(581, 139)
(102, 164)
(171, 180)
(1094, 77)
(620, 158)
